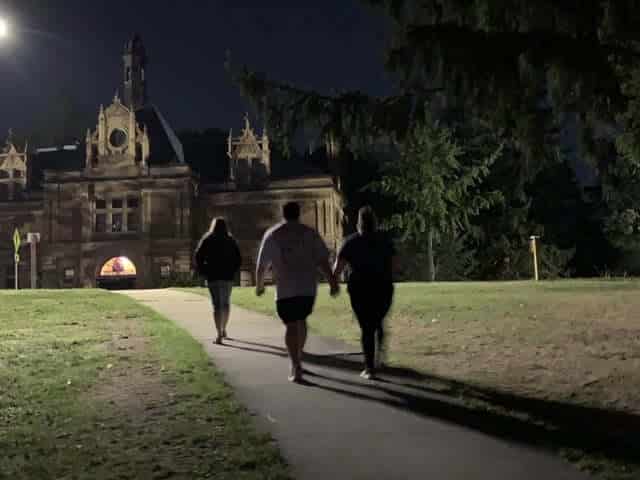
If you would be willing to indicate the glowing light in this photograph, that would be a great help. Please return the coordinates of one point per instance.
(4, 28)
(118, 267)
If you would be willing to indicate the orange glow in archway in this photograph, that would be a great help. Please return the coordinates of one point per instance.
(118, 267)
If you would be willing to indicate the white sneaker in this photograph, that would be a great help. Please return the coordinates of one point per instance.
(367, 374)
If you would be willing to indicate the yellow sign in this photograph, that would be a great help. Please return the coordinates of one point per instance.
(16, 240)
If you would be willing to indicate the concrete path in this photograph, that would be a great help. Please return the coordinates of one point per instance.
(338, 426)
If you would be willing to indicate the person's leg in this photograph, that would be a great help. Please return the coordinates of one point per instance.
(359, 303)
(368, 346)
(217, 314)
(302, 338)
(292, 341)
(226, 309)
(379, 344)
(386, 297)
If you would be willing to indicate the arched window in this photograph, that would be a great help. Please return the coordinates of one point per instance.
(4, 174)
(118, 267)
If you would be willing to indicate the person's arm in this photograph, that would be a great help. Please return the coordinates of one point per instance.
(339, 266)
(261, 265)
(237, 257)
(198, 258)
(325, 267)
(322, 255)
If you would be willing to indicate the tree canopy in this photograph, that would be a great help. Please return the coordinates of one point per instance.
(545, 77)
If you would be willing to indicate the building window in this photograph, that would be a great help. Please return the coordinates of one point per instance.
(128, 77)
(116, 223)
(165, 271)
(117, 138)
(132, 222)
(117, 215)
(18, 174)
(101, 222)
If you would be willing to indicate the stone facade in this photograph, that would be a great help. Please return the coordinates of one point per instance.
(129, 192)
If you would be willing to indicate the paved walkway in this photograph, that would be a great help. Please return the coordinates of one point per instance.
(341, 427)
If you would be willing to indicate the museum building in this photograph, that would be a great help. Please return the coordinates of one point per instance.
(124, 208)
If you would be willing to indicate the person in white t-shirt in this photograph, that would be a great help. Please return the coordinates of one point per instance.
(295, 252)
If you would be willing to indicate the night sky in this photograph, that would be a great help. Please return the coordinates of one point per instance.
(75, 46)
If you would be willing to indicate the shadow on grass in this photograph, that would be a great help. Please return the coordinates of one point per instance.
(524, 420)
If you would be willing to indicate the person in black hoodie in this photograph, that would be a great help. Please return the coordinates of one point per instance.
(218, 260)
(371, 256)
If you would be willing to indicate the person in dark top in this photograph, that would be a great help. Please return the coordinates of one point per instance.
(370, 255)
(218, 259)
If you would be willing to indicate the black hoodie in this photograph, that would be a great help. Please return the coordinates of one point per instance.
(218, 257)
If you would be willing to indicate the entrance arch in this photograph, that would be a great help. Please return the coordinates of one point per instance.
(117, 273)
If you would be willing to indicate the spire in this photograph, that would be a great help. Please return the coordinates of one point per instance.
(135, 64)
(247, 124)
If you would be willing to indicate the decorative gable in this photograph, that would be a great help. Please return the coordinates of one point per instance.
(250, 156)
(13, 170)
(118, 140)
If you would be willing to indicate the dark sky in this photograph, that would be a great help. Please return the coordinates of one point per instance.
(76, 45)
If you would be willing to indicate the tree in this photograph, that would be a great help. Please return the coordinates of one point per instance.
(434, 185)
(523, 67)
(526, 67)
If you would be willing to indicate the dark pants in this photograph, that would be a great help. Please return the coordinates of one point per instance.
(371, 303)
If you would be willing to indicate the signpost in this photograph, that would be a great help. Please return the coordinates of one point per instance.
(16, 252)
(534, 252)
(32, 240)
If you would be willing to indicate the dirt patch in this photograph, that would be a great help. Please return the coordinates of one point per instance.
(133, 390)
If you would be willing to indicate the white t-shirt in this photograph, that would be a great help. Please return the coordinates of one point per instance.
(294, 252)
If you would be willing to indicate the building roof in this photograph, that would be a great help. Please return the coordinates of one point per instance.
(63, 158)
(165, 146)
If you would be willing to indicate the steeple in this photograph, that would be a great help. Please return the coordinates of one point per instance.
(135, 83)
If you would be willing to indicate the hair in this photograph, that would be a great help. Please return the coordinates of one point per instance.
(291, 211)
(367, 220)
(218, 227)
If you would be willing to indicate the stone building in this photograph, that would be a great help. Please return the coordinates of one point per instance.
(125, 209)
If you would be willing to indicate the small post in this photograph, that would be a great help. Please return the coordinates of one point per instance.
(534, 252)
(16, 261)
(33, 239)
(16, 257)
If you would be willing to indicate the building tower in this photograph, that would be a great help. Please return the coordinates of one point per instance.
(135, 83)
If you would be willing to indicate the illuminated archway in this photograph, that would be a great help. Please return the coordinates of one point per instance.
(118, 267)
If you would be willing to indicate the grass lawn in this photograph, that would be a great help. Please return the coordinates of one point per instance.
(500, 345)
(95, 386)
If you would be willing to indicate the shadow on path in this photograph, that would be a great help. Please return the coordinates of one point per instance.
(525, 420)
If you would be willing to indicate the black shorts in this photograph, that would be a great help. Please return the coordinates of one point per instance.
(294, 309)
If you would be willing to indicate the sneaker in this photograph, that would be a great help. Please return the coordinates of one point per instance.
(296, 374)
(368, 374)
(218, 341)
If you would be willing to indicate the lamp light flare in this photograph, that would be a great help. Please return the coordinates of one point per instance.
(4, 28)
